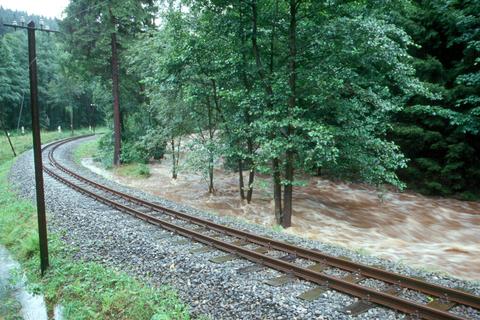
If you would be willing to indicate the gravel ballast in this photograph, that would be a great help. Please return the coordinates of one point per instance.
(102, 234)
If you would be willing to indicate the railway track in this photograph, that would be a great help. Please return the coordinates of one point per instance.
(295, 262)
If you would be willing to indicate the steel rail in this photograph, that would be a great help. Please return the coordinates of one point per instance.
(454, 295)
(322, 279)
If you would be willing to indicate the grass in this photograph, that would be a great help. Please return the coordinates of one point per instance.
(22, 143)
(277, 228)
(134, 170)
(86, 290)
(88, 149)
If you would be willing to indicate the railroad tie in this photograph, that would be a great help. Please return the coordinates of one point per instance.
(441, 304)
(259, 267)
(181, 242)
(202, 249)
(363, 305)
(317, 291)
(280, 281)
(229, 257)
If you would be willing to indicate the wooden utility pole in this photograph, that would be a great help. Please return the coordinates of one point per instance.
(37, 148)
(116, 102)
(37, 145)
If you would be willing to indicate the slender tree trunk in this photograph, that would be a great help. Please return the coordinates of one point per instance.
(251, 174)
(250, 144)
(277, 191)
(277, 187)
(178, 151)
(210, 175)
(116, 96)
(71, 121)
(288, 191)
(292, 81)
(174, 160)
(211, 134)
(240, 179)
(251, 178)
(116, 102)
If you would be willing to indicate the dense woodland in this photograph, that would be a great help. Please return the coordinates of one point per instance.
(381, 92)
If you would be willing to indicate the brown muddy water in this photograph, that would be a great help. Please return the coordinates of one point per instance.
(434, 234)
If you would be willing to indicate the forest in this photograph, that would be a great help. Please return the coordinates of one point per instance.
(385, 93)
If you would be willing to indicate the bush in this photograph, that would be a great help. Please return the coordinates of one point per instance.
(105, 150)
(133, 152)
(151, 145)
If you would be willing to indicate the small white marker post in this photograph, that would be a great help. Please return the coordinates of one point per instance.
(23, 130)
(90, 128)
(59, 129)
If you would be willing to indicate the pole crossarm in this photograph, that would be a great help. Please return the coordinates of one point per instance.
(15, 26)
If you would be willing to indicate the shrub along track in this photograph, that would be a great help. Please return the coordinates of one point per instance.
(294, 261)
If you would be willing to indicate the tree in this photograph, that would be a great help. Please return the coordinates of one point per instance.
(441, 135)
(98, 32)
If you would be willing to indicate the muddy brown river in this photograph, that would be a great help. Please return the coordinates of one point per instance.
(434, 234)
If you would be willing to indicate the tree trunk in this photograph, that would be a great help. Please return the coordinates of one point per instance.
(116, 95)
(277, 187)
(211, 134)
(240, 179)
(292, 81)
(277, 191)
(174, 160)
(210, 175)
(116, 102)
(251, 174)
(251, 177)
(288, 191)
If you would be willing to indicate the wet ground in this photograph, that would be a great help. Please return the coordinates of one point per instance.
(15, 301)
(434, 234)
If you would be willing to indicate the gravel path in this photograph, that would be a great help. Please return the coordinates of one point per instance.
(118, 240)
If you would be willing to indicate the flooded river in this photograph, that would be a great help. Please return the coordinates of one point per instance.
(435, 234)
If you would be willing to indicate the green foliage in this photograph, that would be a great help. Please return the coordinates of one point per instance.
(151, 145)
(134, 152)
(199, 69)
(63, 96)
(441, 136)
(105, 150)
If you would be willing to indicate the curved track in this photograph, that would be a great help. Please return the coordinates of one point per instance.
(237, 243)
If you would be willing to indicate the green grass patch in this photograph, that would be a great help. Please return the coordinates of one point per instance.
(133, 170)
(24, 142)
(277, 228)
(86, 290)
(87, 149)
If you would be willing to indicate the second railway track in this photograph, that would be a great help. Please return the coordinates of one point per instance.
(293, 261)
